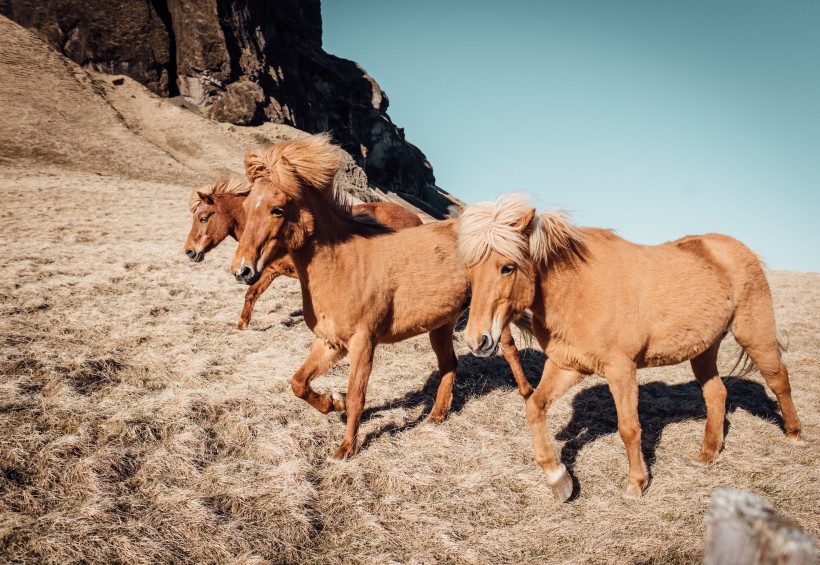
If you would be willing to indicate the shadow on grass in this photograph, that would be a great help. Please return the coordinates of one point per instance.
(475, 378)
(593, 409)
(659, 404)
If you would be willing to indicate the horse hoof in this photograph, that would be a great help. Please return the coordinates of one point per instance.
(342, 454)
(795, 439)
(435, 418)
(633, 492)
(561, 483)
(242, 325)
(704, 460)
(338, 401)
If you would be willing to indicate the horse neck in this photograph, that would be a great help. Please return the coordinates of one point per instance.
(332, 225)
(231, 204)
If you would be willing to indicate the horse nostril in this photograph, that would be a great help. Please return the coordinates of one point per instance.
(246, 272)
(190, 253)
(485, 342)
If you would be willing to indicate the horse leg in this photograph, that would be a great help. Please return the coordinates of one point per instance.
(442, 341)
(361, 349)
(714, 395)
(555, 381)
(321, 358)
(510, 353)
(253, 294)
(754, 330)
(623, 384)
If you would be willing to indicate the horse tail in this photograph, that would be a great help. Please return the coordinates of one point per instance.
(745, 363)
(524, 323)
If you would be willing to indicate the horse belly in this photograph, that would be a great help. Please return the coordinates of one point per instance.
(686, 327)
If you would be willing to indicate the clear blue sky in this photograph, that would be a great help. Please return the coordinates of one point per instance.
(659, 119)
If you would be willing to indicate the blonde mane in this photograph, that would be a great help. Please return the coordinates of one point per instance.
(227, 186)
(312, 161)
(498, 226)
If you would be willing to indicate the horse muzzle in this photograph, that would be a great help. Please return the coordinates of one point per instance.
(195, 256)
(247, 275)
(487, 347)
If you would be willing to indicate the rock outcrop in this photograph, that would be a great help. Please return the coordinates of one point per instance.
(244, 62)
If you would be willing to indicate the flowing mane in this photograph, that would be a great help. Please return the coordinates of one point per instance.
(498, 226)
(310, 162)
(227, 186)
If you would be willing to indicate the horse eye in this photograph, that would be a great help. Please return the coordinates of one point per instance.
(507, 269)
(277, 211)
(204, 219)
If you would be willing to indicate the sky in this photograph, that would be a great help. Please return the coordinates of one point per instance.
(658, 119)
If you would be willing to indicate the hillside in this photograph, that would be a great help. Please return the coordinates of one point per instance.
(138, 426)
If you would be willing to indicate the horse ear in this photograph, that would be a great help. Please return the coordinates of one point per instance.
(206, 198)
(524, 223)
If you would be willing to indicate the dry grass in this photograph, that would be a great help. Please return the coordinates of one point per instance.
(136, 425)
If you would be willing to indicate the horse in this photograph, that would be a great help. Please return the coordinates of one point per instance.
(218, 213)
(362, 285)
(604, 305)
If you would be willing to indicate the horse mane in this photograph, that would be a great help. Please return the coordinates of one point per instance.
(497, 226)
(310, 162)
(226, 186)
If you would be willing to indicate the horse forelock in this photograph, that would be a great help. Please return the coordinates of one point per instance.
(312, 162)
(238, 186)
(491, 226)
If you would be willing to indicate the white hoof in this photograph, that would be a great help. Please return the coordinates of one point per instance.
(561, 483)
(633, 492)
(338, 401)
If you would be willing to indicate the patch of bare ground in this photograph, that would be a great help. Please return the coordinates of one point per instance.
(136, 425)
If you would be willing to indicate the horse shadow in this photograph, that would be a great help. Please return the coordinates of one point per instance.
(476, 377)
(593, 408)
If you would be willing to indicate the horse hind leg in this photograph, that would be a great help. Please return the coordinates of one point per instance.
(714, 395)
(441, 339)
(754, 330)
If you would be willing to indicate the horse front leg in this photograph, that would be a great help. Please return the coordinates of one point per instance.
(623, 384)
(321, 358)
(511, 354)
(441, 339)
(283, 266)
(361, 349)
(555, 381)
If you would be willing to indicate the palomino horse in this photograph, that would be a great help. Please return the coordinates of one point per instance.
(218, 213)
(362, 285)
(603, 305)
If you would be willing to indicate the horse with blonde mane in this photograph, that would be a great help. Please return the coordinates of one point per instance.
(362, 285)
(218, 213)
(603, 305)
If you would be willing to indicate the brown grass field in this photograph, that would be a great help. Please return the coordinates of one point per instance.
(138, 426)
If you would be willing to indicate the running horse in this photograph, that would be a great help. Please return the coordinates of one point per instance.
(218, 213)
(362, 284)
(601, 304)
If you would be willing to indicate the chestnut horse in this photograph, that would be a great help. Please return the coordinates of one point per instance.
(362, 285)
(603, 305)
(217, 213)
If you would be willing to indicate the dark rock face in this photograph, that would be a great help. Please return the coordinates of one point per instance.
(244, 62)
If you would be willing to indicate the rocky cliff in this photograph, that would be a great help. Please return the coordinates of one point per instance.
(244, 62)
